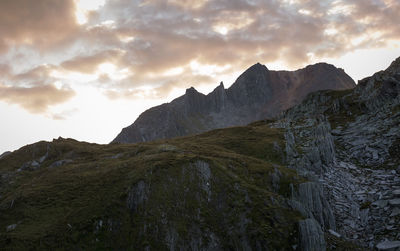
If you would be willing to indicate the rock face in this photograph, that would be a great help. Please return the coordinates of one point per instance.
(311, 197)
(348, 142)
(257, 94)
(311, 236)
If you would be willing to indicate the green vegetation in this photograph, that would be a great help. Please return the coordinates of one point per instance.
(216, 187)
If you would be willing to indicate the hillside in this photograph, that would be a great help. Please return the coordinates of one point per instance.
(223, 189)
(257, 94)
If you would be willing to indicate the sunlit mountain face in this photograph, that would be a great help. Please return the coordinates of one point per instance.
(87, 68)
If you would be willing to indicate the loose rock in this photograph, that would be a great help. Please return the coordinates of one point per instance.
(389, 245)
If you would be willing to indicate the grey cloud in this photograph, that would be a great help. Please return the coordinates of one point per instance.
(63, 115)
(89, 64)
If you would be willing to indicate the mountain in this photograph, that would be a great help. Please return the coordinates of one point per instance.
(324, 175)
(257, 94)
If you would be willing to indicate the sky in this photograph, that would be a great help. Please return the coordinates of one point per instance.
(84, 69)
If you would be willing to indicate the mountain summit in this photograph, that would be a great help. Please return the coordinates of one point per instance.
(257, 94)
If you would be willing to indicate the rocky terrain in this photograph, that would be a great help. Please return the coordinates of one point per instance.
(257, 94)
(323, 175)
(348, 142)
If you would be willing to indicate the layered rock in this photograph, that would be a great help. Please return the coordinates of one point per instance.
(257, 94)
(348, 143)
(311, 236)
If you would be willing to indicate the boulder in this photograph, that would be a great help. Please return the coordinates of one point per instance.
(11, 227)
(395, 212)
(396, 193)
(389, 246)
(60, 163)
(395, 202)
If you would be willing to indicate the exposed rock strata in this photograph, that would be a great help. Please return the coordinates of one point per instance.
(311, 236)
(348, 142)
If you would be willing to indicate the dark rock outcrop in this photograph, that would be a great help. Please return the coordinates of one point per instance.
(257, 94)
(348, 143)
(311, 236)
(312, 199)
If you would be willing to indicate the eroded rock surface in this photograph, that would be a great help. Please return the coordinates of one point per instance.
(311, 236)
(348, 143)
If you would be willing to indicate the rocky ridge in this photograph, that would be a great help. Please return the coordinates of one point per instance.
(257, 94)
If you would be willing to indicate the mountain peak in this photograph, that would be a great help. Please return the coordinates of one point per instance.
(258, 93)
(191, 90)
(394, 66)
(256, 67)
(321, 65)
(219, 88)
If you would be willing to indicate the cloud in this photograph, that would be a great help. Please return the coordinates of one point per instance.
(40, 23)
(38, 74)
(36, 99)
(146, 41)
(156, 90)
(4, 70)
(173, 34)
(63, 115)
(89, 64)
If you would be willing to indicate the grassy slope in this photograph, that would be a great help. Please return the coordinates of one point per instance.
(83, 204)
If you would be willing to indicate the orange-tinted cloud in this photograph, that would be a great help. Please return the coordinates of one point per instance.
(36, 99)
(39, 23)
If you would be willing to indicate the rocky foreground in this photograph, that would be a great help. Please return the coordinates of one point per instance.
(349, 143)
(325, 175)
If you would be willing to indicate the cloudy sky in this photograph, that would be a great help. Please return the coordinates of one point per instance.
(86, 68)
